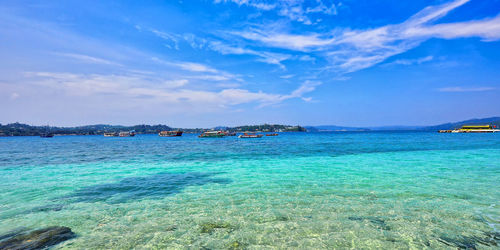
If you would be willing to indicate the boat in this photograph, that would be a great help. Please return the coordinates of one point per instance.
(110, 134)
(473, 129)
(46, 135)
(247, 135)
(170, 133)
(275, 134)
(127, 134)
(212, 134)
(230, 133)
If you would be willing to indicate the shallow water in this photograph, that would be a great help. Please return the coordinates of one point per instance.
(296, 190)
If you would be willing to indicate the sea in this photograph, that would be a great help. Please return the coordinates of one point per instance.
(328, 190)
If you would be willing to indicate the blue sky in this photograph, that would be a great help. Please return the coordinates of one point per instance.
(235, 62)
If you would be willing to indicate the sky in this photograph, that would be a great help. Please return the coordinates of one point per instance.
(235, 62)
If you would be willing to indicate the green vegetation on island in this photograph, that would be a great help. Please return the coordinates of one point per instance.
(19, 129)
(267, 128)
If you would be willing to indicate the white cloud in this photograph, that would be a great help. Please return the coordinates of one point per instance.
(284, 40)
(14, 96)
(465, 89)
(352, 50)
(306, 87)
(87, 59)
(188, 66)
(264, 56)
(411, 61)
(173, 40)
(155, 90)
(212, 77)
(295, 10)
(175, 83)
(255, 4)
(286, 76)
(196, 67)
(307, 58)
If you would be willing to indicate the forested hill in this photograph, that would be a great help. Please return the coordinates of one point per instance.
(19, 129)
(495, 121)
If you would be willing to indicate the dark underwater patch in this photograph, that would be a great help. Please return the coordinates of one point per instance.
(13, 233)
(36, 239)
(471, 242)
(47, 208)
(209, 227)
(377, 222)
(153, 187)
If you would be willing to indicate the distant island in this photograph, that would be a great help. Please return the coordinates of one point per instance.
(19, 129)
(446, 126)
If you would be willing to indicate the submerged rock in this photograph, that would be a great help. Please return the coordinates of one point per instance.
(171, 228)
(377, 222)
(47, 208)
(471, 242)
(209, 227)
(13, 233)
(235, 245)
(36, 239)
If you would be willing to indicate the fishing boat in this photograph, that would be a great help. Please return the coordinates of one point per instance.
(46, 135)
(127, 134)
(170, 133)
(275, 134)
(212, 134)
(110, 134)
(247, 135)
(473, 129)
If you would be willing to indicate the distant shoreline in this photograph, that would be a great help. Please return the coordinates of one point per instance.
(19, 129)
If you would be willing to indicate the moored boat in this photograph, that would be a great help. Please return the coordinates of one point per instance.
(170, 133)
(46, 135)
(473, 129)
(110, 134)
(127, 134)
(275, 134)
(247, 135)
(212, 134)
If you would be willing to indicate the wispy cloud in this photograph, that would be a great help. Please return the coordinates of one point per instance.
(188, 66)
(286, 76)
(411, 61)
(256, 4)
(263, 56)
(295, 10)
(352, 50)
(225, 49)
(307, 58)
(195, 67)
(87, 59)
(465, 89)
(158, 90)
(285, 40)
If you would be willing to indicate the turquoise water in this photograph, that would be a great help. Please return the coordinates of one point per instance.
(296, 190)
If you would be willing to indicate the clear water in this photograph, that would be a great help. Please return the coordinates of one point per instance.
(296, 190)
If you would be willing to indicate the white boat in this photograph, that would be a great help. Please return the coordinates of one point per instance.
(127, 134)
(247, 135)
(170, 133)
(212, 134)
